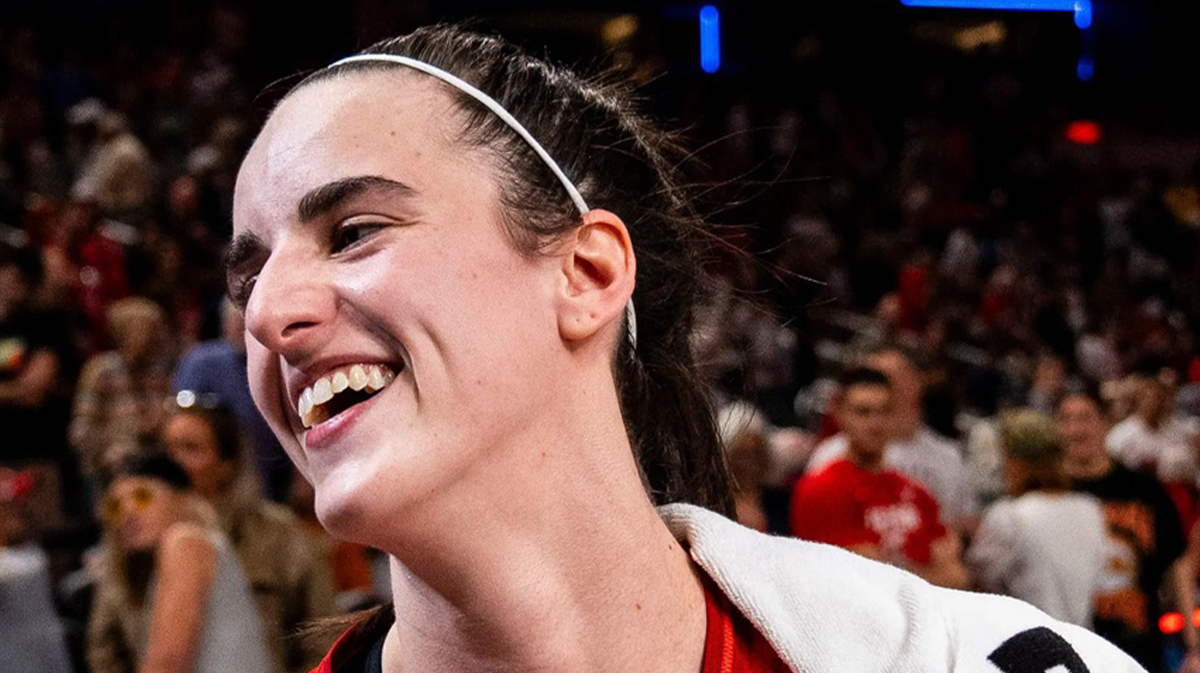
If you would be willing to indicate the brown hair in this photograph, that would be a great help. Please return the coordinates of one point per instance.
(623, 162)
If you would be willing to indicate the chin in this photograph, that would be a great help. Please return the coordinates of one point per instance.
(138, 544)
(344, 514)
(359, 512)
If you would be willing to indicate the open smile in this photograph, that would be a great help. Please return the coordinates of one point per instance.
(341, 389)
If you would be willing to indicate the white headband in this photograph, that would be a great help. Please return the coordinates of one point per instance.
(504, 115)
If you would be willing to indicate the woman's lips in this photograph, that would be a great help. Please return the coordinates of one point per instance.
(324, 434)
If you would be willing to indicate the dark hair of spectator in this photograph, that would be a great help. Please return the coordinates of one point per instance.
(27, 260)
(889, 348)
(226, 429)
(154, 464)
(862, 376)
(623, 162)
(1089, 392)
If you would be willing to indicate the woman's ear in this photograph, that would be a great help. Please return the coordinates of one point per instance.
(598, 275)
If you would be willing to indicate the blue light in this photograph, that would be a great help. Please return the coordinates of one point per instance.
(1085, 70)
(710, 39)
(1083, 14)
(1013, 5)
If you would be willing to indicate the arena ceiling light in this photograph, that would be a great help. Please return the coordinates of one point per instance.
(710, 39)
(1082, 9)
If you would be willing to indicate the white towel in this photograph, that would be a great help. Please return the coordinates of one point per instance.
(826, 610)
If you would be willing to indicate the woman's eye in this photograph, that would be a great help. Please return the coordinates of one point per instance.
(240, 289)
(348, 235)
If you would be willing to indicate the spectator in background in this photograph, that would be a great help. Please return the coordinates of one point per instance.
(743, 434)
(1047, 384)
(1154, 440)
(1144, 533)
(37, 365)
(1186, 577)
(119, 402)
(913, 448)
(858, 503)
(118, 171)
(89, 265)
(218, 367)
(1042, 544)
(31, 635)
(292, 580)
(173, 596)
(33, 349)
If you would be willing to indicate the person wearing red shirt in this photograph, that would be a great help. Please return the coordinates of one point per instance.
(857, 504)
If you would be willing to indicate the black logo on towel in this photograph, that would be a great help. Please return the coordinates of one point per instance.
(1037, 651)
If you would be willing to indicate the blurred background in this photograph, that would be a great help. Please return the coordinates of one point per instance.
(1008, 199)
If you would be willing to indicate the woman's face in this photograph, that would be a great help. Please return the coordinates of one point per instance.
(137, 343)
(191, 442)
(374, 245)
(140, 510)
(1082, 428)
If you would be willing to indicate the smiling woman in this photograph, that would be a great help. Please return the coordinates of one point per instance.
(441, 332)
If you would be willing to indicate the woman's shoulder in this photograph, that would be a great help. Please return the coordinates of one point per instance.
(188, 539)
(827, 610)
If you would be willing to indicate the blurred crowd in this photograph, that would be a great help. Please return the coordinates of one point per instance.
(952, 340)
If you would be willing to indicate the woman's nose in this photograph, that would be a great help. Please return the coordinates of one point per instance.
(290, 305)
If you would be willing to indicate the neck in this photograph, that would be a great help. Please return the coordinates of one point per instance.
(565, 566)
(908, 424)
(1091, 465)
(867, 460)
(1153, 420)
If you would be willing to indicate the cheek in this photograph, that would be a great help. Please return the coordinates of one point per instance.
(266, 387)
(470, 311)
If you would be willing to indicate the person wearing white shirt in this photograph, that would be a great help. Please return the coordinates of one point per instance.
(1044, 544)
(1153, 439)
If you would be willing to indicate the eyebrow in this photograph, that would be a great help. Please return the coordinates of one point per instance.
(330, 195)
(316, 202)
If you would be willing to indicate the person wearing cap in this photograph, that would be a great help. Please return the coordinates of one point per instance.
(1044, 543)
(289, 571)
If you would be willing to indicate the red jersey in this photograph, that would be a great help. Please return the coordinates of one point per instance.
(731, 643)
(845, 505)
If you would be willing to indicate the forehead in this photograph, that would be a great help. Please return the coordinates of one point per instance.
(867, 394)
(891, 363)
(392, 123)
(1079, 405)
(185, 421)
(122, 486)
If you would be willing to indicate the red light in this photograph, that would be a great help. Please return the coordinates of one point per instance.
(1196, 617)
(1084, 132)
(1170, 623)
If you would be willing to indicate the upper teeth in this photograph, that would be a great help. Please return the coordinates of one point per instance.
(368, 377)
